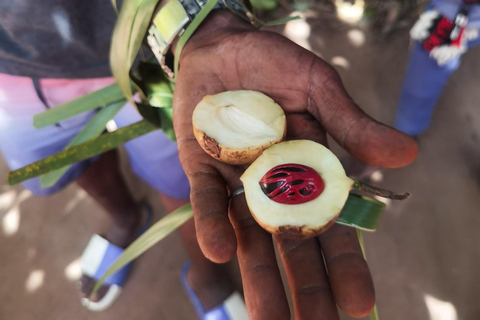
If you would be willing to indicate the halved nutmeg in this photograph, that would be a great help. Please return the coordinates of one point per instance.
(296, 188)
(236, 126)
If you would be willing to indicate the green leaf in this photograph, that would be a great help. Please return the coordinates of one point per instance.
(157, 105)
(166, 118)
(281, 21)
(155, 85)
(128, 35)
(190, 30)
(140, 26)
(114, 4)
(302, 6)
(81, 152)
(93, 100)
(92, 130)
(161, 99)
(152, 236)
(266, 5)
(361, 212)
(150, 114)
(374, 314)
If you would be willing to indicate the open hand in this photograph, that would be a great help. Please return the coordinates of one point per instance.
(226, 53)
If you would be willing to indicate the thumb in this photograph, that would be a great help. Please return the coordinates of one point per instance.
(363, 137)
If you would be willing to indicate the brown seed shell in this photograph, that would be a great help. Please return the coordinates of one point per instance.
(295, 232)
(235, 156)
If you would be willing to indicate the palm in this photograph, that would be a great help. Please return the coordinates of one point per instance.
(311, 94)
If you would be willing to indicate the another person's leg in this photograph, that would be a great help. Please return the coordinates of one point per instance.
(154, 159)
(209, 280)
(22, 144)
(423, 83)
(103, 181)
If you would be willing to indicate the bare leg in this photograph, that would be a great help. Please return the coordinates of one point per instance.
(104, 183)
(209, 280)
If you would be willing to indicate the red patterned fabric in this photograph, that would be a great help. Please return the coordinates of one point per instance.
(440, 34)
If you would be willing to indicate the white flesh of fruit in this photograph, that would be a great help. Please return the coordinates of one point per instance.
(240, 119)
(310, 215)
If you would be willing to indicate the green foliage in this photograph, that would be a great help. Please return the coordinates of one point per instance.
(129, 32)
(303, 6)
(91, 101)
(361, 212)
(130, 29)
(114, 4)
(280, 21)
(81, 152)
(166, 118)
(267, 5)
(158, 91)
(92, 130)
(374, 314)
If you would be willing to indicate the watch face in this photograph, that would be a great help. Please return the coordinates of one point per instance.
(193, 7)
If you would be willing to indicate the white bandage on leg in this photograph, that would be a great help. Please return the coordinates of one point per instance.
(445, 53)
(421, 29)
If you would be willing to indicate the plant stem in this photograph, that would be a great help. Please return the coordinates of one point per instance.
(379, 191)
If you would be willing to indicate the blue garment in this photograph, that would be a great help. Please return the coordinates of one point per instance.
(423, 83)
(449, 9)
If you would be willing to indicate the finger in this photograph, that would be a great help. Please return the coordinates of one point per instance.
(312, 297)
(297, 79)
(348, 271)
(209, 199)
(363, 137)
(305, 126)
(263, 288)
(209, 196)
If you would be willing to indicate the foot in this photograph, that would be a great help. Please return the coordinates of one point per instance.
(212, 286)
(122, 234)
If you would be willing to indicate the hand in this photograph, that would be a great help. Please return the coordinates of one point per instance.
(226, 53)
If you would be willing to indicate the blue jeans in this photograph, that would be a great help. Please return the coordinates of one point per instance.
(422, 85)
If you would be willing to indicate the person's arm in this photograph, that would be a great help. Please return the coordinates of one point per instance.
(227, 53)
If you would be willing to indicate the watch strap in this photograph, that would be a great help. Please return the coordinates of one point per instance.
(172, 19)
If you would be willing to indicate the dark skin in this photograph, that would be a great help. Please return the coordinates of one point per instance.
(226, 53)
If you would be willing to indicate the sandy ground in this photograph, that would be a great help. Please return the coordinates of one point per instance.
(425, 256)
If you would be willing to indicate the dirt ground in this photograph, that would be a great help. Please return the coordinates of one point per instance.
(425, 256)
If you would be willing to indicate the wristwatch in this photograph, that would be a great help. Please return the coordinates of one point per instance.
(172, 20)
